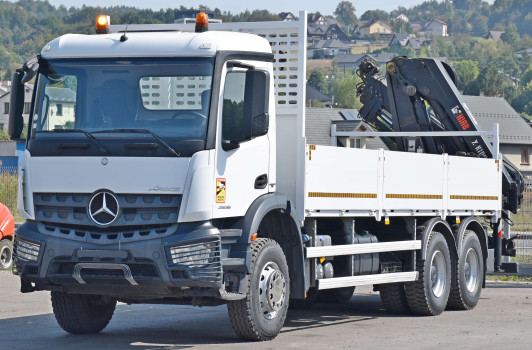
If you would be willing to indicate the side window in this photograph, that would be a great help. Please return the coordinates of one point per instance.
(233, 106)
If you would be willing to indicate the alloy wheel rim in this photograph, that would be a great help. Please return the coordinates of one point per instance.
(471, 270)
(272, 290)
(437, 273)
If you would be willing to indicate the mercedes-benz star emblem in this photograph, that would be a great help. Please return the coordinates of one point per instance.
(103, 208)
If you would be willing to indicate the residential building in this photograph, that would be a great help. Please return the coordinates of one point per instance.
(418, 43)
(436, 27)
(376, 27)
(319, 122)
(313, 94)
(287, 16)
(327, 48)
(323, 28)
(515, 135)
(401, 16)
(346, 62)
(314, 19)
(5, 106)
(494, 35)
(400, 40)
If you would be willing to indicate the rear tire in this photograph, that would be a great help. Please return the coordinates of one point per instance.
(6, 254)
(429, 294)
(393, 298)
(261, 314)
(468, 275)
(82, 314)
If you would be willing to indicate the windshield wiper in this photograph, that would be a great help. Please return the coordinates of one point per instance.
(90, 136)
(143, 131)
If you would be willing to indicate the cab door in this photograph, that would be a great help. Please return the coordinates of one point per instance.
(243, 147)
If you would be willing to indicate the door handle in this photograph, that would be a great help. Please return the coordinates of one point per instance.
(261, 182)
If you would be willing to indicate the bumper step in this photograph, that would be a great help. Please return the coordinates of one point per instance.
(339, 282)
(364, 248)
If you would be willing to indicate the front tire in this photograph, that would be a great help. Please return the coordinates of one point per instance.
(6, 254)
(261, 314)
(469, 273)
(429, 294)
(82, 314)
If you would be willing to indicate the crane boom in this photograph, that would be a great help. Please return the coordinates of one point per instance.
(419, 94)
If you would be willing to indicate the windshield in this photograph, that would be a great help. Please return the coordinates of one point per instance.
(166, 98)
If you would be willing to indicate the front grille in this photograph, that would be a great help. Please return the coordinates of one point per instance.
(198, 260)
(110, 236)
(135, 209)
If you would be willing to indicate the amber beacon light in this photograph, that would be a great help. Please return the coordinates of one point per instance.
(202, 23)
(102, 24)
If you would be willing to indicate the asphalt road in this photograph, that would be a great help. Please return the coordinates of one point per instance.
(503, 319)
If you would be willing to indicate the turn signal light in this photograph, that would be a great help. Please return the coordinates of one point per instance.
(202, 23)
(102, 24)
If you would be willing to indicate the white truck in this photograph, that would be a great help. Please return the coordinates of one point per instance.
(169, 166)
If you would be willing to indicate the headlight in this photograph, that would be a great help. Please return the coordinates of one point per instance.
(194, 255)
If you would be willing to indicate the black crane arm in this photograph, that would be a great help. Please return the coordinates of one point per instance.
(419, 94)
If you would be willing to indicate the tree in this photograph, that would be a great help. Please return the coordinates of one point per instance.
(373, 15)
(344, 92)
(511, 36)
(346, 11)
(480, 25)
(490, 81)
(466, 72)
(317, 80)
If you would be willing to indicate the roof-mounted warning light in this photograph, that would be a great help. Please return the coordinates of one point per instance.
(102, 24)
(202, 23)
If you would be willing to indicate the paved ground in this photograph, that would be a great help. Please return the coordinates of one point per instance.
(503, 319)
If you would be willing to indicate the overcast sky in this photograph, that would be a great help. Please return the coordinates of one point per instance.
(236, 6)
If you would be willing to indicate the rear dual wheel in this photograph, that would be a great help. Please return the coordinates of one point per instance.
(468, 274)
(429, 294)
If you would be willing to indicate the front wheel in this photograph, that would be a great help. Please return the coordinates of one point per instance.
(261, 314)
(6, 254)
(82, 314)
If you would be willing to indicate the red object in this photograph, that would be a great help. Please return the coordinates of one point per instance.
(7, 222)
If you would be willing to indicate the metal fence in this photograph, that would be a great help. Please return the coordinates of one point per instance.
(523, 227)
(8, 189)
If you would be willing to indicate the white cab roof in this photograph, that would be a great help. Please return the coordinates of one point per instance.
(153, 44)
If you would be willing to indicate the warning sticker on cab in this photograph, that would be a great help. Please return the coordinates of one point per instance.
(220, 190)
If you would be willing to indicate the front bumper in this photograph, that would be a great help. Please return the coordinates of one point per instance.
(185, 263)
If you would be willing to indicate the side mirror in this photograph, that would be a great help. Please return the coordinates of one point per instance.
(256, 103)
(16, 103)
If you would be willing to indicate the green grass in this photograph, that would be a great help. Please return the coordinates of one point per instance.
(501, 278)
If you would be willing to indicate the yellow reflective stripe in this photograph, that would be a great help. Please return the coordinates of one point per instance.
(476, 198)
(341, 195)
(413, 196)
